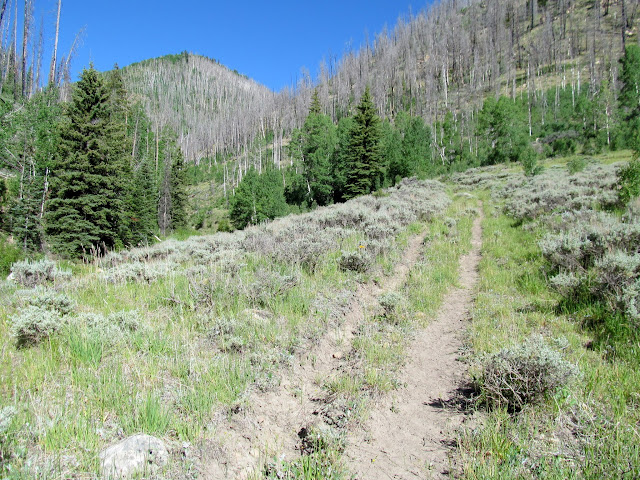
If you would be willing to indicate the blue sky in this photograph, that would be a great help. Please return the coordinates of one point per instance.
(267, 41)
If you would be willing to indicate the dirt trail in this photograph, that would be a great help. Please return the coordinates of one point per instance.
(406, 436)
(273, 420)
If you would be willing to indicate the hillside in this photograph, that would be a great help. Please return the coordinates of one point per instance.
(209, 106)
(443, 61)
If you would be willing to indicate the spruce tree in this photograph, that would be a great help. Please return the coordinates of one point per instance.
(85, 207)
(363, 157)
(318, 144)
(172, 196)
(630, 97)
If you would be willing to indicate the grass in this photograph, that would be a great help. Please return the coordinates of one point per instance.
(588, 429)
(211, 326)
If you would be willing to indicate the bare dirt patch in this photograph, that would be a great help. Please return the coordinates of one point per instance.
(408, 435)
(272, 422)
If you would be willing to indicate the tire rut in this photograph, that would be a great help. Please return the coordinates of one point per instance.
(407, 435)
(274, 419)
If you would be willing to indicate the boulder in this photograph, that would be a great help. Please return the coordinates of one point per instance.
(139, 453)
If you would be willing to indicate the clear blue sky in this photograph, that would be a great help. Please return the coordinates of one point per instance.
(269, 41)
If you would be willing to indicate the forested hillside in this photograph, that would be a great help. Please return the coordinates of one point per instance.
(458, 85)
(556, 61)
(210, 107)
(446, 58)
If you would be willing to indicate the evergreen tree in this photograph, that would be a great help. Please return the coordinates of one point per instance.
(339, 158)
(630, 96)
(120, 146)
(85, 209)
(364, 155)
(172, 196)
(178, 189)
(318, 145)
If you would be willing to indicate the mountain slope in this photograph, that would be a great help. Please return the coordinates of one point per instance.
(208, 105)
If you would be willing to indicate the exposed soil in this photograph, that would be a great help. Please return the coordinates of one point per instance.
(273, 420)
(408, 435)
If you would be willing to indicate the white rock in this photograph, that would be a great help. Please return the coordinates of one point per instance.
(138, 453)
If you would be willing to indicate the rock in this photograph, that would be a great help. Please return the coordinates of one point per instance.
(135, 454)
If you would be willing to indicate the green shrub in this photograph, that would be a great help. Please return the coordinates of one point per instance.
(9, 254)
(224, 225)
(517, 376)
(34, 324)
(359, 261)
(577, 164)
(629, 182)
(30, 274)
(529, 161)
(49, 299)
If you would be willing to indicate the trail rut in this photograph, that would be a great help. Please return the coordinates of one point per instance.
(406, 435)
(274, 419)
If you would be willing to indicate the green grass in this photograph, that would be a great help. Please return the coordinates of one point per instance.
(199, 347)
(587, 429)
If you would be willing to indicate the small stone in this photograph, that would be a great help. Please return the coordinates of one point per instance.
(133, 455)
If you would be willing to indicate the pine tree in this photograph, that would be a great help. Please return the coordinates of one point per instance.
(178, 189)
(85, 208)
(339, 158)
(172, 196)
(318, 145)
(364, 156)
(630, 96)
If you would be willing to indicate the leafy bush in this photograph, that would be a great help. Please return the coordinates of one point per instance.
(267, 285)
(577, 165)
(138, 272)
(9, 254)
(34, 324)
(224, 225)
(50, 300)
(629, 182)
(359, 261)
(516, 376)
(30, 274)
(529, 161)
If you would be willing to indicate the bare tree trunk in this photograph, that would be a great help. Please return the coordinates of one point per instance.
(2, 10)
(15, 52)
(25, 39)
(38, 58)
(54, 57)
(623, 27)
